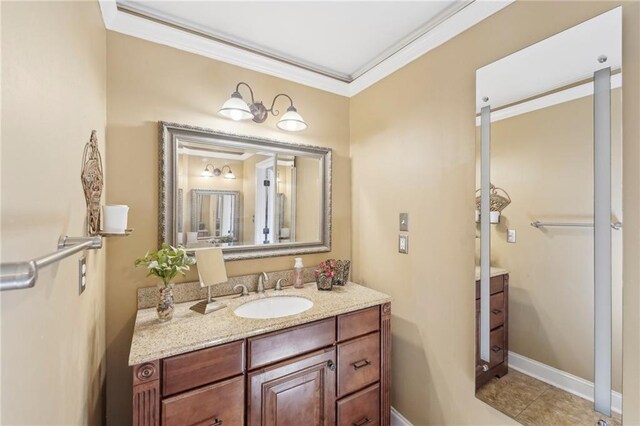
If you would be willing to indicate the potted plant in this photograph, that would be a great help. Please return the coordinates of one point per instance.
(166, 263)
(325, 274)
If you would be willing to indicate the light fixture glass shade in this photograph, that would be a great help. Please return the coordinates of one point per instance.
(236, 109)
(206, 172)
(291, 121)
(229, 175)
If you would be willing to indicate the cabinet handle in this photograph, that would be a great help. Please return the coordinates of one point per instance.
(217, 422)
(496, 348)
(331, 365)
(496, 311)
(362, 422)
(485, 368)
(362, 363)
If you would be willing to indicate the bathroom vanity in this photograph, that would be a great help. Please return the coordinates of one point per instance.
(328, 365)
(499, 324)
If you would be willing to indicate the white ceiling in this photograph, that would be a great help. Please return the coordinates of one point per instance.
(341, 39)
(339, 46)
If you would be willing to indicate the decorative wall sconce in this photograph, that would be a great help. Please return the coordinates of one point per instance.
(237, 109)
(497, 203)
(211, 171)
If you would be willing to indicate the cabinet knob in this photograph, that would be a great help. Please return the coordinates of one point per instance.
(331, 365)
(362, 422)
(485, 368)
(216, 422)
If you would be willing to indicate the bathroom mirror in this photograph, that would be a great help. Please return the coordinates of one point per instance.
(253, 197)
(549, 217)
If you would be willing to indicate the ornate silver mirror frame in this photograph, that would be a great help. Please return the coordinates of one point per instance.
(169, 135)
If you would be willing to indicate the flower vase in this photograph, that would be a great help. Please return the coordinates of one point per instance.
(342, 274)
(324, 283)
(166, 305)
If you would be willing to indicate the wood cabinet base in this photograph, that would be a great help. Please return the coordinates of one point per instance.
(288, 377)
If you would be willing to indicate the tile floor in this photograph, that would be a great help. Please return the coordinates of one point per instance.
(535, 403)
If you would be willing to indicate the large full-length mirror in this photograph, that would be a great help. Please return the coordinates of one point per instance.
(549, 213)
(252, 197)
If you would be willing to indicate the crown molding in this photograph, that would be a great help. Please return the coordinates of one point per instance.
(157, 32)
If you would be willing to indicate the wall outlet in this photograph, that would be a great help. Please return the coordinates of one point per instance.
(511, 235)
(404, 222)
(82, 274)
(403, 244)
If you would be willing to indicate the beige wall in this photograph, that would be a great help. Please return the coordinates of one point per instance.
(418, 124)
(53, 95)
(148, 82)
(544, 160)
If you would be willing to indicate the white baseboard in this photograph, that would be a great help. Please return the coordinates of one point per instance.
(398, 419)
(560, 379)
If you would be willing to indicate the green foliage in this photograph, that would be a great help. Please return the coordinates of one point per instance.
(166, 263)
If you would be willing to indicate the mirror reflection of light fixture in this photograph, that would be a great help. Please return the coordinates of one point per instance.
(237, 109)
(210, 171)
(211, 270)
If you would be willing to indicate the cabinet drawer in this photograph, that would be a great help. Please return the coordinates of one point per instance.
(280, 345)
(496, 285)
(496, 310)
(358, 323)
(218, 404)
(497, 347)
(358, 363)
(361, 408)
(188, 371)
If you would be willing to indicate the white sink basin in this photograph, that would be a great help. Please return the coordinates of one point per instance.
(273, 307)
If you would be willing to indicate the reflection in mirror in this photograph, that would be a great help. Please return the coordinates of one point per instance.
(549, 292)
(252, 197)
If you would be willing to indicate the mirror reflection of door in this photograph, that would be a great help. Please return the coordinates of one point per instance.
(265, 207)
(551, 352)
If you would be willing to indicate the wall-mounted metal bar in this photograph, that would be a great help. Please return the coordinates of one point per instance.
(21, 275)
(537, 224)
(485, 236)
(602, 240)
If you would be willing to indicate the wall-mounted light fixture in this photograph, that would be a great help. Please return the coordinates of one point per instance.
(237, 109)
(211, 171)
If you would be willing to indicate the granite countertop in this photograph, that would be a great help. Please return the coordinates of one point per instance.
(494, 272)
(189, 330)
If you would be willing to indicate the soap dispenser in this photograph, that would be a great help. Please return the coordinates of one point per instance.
(298, 281)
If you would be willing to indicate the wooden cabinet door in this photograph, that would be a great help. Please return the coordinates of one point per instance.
(300, 391)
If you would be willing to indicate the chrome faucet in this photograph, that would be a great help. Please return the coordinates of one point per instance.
(262, 280)
(245, 292)
(281, 283)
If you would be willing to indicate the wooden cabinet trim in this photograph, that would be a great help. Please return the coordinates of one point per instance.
(146, 394)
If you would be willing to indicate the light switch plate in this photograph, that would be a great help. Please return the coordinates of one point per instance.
(82, 274)
(511, 235)
(403, 244)
(404, 222)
